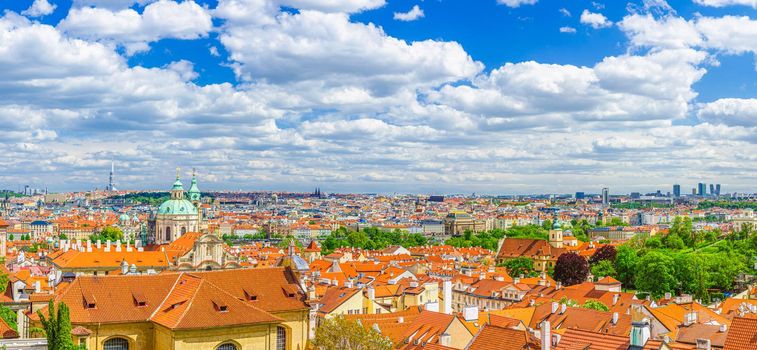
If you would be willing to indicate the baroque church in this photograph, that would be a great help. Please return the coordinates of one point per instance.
(178, 215)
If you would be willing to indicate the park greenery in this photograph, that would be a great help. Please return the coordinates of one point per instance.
(149, 198)
(519, 266)
(728, 204)
(371, 238)
(685, 261)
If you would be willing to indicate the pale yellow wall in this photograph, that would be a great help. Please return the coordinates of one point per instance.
(459, 335)
(255, 337)
(140, 335)
(297, 323)
(353, 303)
(147, 335)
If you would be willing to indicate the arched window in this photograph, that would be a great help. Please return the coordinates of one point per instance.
(116, 344)
(227, 346)
(183, 230)
(281, 338)
(168, 233)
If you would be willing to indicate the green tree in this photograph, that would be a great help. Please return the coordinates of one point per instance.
(692, 275)
(339, 333)
(519, 266)
(603, 268)
(571, 269)
(9, 316)
(108, 233)
(57, 327)
(595, 305)
(547, 224)
(655, 274)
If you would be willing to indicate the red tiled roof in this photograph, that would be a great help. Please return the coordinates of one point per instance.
(742, 335)
(499, 338)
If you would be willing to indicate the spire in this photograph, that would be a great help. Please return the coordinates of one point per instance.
(178, 170)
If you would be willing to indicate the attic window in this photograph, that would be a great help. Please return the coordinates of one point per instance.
(89, 301)
(250, 294)
(220, 305)
(289, 290)
(139, 298)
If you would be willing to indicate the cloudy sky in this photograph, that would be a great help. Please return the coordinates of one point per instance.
(434, 96)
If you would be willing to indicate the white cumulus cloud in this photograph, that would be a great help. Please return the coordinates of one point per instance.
(411, 15)
(595, 20)
(39, 8)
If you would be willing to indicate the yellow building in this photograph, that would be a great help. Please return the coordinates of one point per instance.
(224, 310)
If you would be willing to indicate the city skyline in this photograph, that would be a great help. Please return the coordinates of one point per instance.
(496, 97)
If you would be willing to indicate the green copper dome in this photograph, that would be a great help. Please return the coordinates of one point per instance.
(177, 185)
(177, 207)
(124, 217)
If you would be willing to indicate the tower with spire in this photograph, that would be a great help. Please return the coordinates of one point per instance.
(111, 183)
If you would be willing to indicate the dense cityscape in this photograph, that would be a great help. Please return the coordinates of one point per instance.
(378, 175)
(185, 268)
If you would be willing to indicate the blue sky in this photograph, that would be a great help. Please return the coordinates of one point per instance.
(491, 96)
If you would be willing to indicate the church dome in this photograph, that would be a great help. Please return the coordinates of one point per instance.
(177, 206)
(124, 217)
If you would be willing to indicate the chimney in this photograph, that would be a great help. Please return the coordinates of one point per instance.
(615, 318)
(124, 267)
(99, 244)
(481, 276)
(558, 285)
(516, 280)
(563, 307)
(640, 333)
(118, 245)
(138, 244)
(311, 293)
(348, 284)
(128, 246)
(615, 299)
(546, 337)
(470, 313)
(447, 294)
(703, 344)
(668, 295)
(335, 282)
(554, 306)
(400, 319)
(371, 293)
(445, 339)
(89, 246)
(37, 287)
(723, 328)
(107, 246)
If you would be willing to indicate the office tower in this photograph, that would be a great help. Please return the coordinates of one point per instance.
(580, 195)
(712, 189)
(702, 189)
(676, 191)
(635, 195)
(717, 189)
(605, 196)
(693, 191)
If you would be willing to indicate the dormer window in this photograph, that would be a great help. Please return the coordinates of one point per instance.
(250, 294)
(220, 305)
(139, 298)
(89, 301)
(291, 291)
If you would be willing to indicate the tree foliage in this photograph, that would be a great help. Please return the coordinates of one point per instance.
(655, 274)
(371, 238)
(9, 316)
(604, 268)
(57, 327)
(605, 252)
(595, 305)
(520, 266)
(571, 269)
(111, 233)
(339, 333)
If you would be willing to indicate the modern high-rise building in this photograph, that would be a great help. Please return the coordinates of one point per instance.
(717, 189)
(580, 195)
(605, 196)
(712, 189)
(676, 190)
(702, 189)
